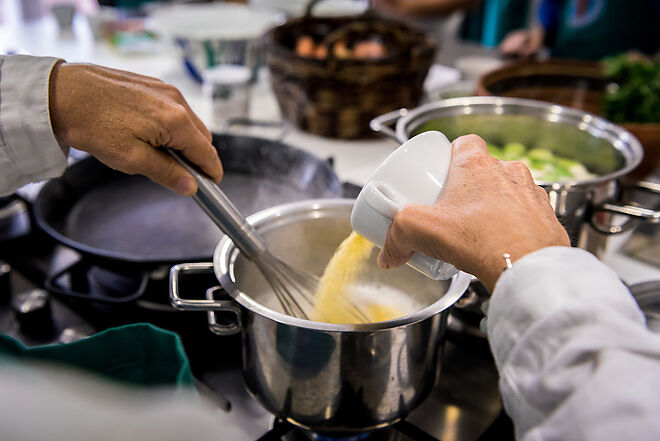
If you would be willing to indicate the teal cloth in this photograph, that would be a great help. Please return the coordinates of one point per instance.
(138, 354)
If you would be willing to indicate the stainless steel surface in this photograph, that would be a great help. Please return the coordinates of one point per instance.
(606, 149)
(647, 296)
(5, 283)
(293, 287)
(192, 304)
(381, 124)
(223, 212)
(648, 215)
(324, 376)
(603, 218)
(224, 328)
(463, 403)
(13, 208)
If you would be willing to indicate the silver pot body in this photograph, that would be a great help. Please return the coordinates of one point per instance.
(587, 209)
(325, 377)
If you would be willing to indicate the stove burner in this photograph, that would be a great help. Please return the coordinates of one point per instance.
(401, 431)
(14, 218)
(317, 437)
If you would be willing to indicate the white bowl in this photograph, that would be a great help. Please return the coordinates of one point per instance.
(214, 21)
(213, 34)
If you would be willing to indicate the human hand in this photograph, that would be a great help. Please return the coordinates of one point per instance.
(122, 118)
(523, 43)
(487, 208)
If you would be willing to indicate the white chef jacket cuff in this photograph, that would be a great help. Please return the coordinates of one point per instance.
(28, 143)
(545, 282)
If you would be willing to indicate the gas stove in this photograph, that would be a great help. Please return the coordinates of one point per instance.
(464, 404)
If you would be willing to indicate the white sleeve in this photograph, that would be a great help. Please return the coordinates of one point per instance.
(29, 151)
(50, 402)
(576, 360)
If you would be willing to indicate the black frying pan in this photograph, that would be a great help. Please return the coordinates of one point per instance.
(122, 219)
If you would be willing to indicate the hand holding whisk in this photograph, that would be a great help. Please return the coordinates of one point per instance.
(294, 288)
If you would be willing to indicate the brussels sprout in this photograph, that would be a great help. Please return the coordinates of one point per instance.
(513, 151)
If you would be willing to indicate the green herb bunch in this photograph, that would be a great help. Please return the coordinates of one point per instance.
(634, 95)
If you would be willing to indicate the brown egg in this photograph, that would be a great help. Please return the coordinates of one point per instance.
(340, 50)
(369, 49)
(321, 51)
(305, 46)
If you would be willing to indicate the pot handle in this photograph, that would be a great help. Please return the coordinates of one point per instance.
(191, 304)
(230, 328)
(381, 124)
(635, 213)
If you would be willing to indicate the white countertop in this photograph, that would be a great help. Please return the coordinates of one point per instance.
(353, 160)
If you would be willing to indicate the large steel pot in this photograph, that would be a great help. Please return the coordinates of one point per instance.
(325, 377)
(589, 209)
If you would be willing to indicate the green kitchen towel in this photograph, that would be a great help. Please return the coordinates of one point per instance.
(139, 354)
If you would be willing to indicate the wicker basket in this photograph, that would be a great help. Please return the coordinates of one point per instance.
(338, 97)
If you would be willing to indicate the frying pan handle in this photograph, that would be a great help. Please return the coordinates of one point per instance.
(381, 124)
(52, 285)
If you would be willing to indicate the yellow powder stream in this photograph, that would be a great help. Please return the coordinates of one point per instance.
(332, 303)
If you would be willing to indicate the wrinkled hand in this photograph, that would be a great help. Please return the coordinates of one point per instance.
(487, 208)
(523, 43)
(122, 118)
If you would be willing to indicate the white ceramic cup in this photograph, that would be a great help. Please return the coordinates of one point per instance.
(415, 173)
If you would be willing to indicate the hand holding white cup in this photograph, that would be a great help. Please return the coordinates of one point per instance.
(415, 173)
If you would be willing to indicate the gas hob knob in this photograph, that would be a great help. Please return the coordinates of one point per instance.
(5, 283)
(33, 313)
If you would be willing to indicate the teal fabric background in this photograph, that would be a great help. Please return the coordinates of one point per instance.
(140, 354)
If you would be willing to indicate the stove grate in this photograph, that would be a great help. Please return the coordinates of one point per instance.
(401, 431)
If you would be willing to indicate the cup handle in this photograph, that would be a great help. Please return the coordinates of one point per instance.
(376, 196)
(383, 200)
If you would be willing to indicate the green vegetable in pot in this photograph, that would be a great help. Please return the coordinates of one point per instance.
(494, 150)
(543, 164)
(513, 150)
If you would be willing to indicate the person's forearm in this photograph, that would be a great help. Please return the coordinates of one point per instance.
(571, 345)
(29, 150)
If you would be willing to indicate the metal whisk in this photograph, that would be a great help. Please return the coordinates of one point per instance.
(294, 288)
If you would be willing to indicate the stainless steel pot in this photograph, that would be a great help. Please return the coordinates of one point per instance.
(589, 209)
(325, 377)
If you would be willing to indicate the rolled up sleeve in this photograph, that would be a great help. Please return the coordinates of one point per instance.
(29, 150)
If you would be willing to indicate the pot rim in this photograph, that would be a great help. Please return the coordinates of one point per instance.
(226, 252)
(617, 136)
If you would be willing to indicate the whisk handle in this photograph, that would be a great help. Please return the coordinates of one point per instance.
(223, 212)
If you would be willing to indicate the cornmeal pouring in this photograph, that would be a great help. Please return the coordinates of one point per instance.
(339, 286)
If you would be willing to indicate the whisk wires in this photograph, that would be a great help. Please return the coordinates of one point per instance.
(295, 290)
